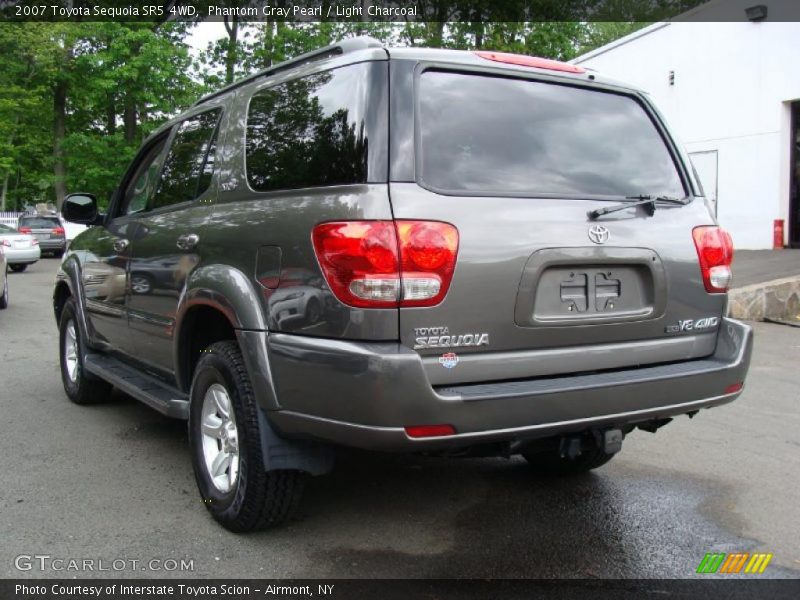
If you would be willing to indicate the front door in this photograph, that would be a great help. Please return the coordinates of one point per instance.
(164, 249)
(104, 254)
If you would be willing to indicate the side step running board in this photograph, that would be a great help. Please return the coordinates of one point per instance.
(145, 388)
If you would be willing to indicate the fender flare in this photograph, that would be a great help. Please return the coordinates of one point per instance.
(69, 274)
(229, 291)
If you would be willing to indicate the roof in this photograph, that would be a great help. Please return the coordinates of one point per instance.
(639, 33)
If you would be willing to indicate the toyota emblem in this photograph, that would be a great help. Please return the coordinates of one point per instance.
(598, 234)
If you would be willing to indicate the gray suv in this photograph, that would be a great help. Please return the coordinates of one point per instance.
(405, 250)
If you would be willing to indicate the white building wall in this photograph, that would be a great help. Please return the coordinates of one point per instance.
(733, 82)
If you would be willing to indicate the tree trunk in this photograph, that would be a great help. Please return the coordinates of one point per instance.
(269, 44)
(3, 192)
(111, 115)
(59, 131)
(129, 120)
(232, 27)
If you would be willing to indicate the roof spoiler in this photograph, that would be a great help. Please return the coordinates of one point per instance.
(344, 47)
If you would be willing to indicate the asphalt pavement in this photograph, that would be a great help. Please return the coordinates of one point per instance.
(114, 482)
(760, 266)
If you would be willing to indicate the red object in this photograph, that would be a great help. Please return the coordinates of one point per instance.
(25, 230)
(6, 243)
(387, 264)
(734, 387)
(777, 234)
(425, 431)
(58, 230)
(428, 251)
(530, 61)
(715, 253)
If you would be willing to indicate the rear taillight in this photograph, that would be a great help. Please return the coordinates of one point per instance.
(34, 242)
(386, 264)
(58, 231)
(25, 230)
(428, 251)
(715, 253)
(6, 243)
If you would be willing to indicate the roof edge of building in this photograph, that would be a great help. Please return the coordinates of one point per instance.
(620, 42)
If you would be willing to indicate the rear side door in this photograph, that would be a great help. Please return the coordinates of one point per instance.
(517, 162)
(168, 233)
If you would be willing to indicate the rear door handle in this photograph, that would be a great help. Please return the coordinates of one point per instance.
(187, 241)
(120, 245)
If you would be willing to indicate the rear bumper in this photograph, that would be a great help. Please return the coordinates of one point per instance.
(51, 245)
(365, 394)
(22, 256)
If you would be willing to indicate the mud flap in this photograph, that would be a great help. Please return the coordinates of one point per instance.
(279, 453)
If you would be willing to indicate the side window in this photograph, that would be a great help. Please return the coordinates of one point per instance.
(190, 162)
(141, 185)
(309, 132)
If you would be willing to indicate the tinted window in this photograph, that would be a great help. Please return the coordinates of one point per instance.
(143, 180)
(497, 135)
(39, 222)
(190, 162)
(309, 132)
(6, 229)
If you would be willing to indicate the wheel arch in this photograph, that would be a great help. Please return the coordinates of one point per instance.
(224, 301)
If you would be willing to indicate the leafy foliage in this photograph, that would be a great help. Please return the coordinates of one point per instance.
(78, 98)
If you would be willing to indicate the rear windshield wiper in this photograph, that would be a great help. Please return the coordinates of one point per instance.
(649, 203)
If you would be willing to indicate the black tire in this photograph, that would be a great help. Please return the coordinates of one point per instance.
(85, 388)
(18, 268)
(258, 498)
(551, 464)
(4, 293)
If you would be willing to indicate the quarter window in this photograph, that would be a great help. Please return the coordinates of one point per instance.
(309, 132)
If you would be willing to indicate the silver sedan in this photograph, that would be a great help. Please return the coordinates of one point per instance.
(20, 249)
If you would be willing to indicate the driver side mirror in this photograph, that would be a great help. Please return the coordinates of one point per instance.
(80, 208)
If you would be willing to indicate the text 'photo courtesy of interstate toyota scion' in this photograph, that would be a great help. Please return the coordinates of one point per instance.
(348, 250)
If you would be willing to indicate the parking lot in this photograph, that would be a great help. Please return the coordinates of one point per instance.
(114, 481)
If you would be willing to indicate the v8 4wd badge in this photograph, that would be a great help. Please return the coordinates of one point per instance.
(692, 325)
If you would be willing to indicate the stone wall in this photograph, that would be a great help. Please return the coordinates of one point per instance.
(778, 299)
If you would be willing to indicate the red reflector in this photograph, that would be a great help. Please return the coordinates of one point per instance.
(734, 387)
(715, 253)
(423, 431)
(530, 61)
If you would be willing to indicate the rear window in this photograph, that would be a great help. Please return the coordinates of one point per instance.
(501, 136)
(39, 222)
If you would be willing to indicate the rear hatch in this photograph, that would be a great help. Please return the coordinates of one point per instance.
(540, 286)
(42, 228)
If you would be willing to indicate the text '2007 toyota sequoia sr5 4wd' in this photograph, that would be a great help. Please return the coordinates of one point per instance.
(402, 250)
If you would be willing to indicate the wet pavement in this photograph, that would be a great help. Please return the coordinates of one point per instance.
(114, 481)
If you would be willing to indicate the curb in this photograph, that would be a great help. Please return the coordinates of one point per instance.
(776, 299)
